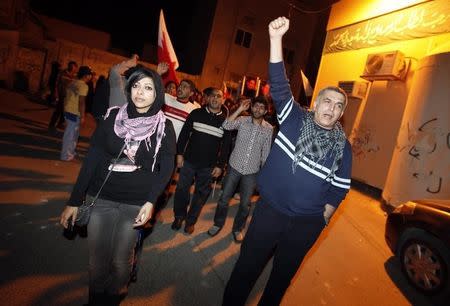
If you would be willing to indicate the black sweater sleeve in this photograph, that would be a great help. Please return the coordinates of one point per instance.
(93, 158)
(166, 161)
(224, 149)
(185, 133)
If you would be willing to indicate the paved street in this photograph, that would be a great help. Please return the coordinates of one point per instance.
(350, 265)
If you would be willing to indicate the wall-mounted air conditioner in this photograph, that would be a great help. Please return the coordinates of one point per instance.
(354, 89)
(389, 66)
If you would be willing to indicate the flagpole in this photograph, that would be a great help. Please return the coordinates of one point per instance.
(304, 93)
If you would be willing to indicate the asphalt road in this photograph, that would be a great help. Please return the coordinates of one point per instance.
(350, 264)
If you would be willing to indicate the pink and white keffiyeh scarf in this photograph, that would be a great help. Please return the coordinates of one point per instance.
(138, 129)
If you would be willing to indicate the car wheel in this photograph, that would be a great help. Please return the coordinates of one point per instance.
(425, 261)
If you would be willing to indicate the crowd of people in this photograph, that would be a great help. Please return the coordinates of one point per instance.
(149, 134)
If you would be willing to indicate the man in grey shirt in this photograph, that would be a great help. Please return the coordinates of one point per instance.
(252, 147)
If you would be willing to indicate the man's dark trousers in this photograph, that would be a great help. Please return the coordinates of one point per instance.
(182, 196)
(287, 238)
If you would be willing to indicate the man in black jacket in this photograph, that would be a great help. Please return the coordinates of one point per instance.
(202, 151)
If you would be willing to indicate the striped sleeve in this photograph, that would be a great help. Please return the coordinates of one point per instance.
(280, 91)
(266, 146)
(340, 182)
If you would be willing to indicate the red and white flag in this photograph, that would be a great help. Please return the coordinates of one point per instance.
(166, 53)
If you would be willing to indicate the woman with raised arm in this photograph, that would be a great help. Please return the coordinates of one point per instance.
(139, 175)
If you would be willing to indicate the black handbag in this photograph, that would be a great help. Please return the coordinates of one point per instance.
(84, 211)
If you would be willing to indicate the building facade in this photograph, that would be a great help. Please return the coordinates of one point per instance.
(377, 48)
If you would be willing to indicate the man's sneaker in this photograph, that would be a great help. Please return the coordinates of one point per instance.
(176, 224)
(238, 237)
(214, 230)
(189, 229)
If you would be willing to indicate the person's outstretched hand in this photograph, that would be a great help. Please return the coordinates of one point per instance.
(162, 68)
(245, 105)
(278, 27)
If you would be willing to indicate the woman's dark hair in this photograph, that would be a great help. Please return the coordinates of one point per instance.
(136, 74)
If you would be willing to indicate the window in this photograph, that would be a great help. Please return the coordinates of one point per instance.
(243, 38)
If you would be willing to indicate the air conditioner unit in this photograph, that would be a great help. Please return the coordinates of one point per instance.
(385, 66)
(354, 89)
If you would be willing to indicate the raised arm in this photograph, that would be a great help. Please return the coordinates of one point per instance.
(231, 123)
(117, 81)
(277, 28)
(245, 105)
(280, 89)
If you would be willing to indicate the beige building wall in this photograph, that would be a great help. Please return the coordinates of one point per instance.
(373, 123)
(226, 61)
(346, 12)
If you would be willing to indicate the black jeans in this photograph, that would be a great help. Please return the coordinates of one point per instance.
(203, 181)
(271, 233)
(111, 240)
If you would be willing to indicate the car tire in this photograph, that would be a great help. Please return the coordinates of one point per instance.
(425, 261)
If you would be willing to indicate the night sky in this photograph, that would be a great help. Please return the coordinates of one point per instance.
(136, 22)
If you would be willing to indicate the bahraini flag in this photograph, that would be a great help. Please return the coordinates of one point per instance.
(166, 53)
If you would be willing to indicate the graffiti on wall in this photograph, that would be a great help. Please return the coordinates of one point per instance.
(30, 63)
(424, 148)
(363, 142)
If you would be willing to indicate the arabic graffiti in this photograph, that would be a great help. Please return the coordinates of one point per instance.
(424, 147)
(362, 143)
(422, 20)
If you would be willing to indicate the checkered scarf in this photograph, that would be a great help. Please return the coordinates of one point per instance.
(140, 128)
(316, 143)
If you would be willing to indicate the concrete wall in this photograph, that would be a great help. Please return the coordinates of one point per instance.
(12, 13)
(100, 61)
(30, 43)
(9, 41)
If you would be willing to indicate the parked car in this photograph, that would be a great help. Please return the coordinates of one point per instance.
(418, 233)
